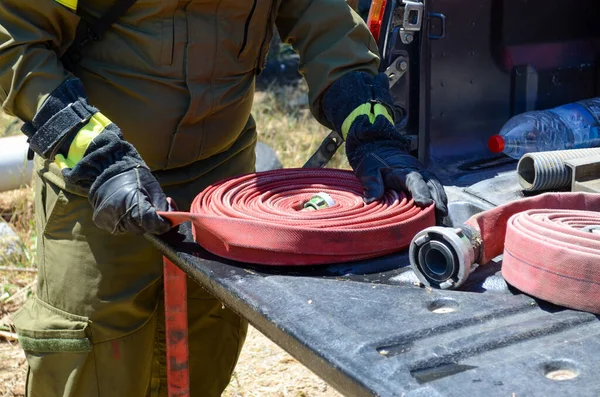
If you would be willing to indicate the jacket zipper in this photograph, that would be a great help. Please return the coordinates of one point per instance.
(246, 28)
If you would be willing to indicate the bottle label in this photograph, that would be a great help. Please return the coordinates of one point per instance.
(593, 106)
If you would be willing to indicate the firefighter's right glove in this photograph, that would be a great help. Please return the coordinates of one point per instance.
(94, 156)
(386, 164)
(359, 106)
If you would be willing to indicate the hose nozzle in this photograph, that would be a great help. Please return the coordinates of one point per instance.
(442, 257)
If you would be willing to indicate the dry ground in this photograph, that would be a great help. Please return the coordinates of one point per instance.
(264, 369)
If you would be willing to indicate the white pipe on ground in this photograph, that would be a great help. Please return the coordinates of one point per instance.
(15, 170)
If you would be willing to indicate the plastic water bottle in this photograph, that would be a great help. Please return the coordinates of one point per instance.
(572, 126)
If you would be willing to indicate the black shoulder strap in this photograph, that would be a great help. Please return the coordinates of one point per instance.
(93, 30)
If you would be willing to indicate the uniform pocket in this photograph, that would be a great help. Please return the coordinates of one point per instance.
(56, 206)
(57, 347)
(45, 329)
(54, 203)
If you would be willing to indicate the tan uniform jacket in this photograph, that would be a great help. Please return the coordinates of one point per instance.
(177, 76)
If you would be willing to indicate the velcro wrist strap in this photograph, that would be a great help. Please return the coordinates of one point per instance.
(70, 91)
(370, 109)
(61, 115)
(48, 138)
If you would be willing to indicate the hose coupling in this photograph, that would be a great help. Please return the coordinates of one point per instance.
(319, 201)
(443, 257)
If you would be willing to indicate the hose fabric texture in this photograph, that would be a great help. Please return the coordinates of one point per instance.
(258, 218)
(550, 249)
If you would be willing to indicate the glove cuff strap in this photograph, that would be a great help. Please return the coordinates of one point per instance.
(63, 113)
(48, 139)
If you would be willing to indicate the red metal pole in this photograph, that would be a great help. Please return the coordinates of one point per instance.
(176, 327)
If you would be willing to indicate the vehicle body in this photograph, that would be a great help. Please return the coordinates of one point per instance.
(473, 65)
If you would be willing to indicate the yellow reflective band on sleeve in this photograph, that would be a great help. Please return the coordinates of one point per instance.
(72, 4)
(82, 140)
(366, 109)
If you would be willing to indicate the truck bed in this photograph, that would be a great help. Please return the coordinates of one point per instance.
(368, 329)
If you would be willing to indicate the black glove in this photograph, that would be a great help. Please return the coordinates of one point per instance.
(122, 190)
(386, 164)
(360, 107)
(128, 201)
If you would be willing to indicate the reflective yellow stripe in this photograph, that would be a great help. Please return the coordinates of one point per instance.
(72, 4)
(366, 109)
(82, 140)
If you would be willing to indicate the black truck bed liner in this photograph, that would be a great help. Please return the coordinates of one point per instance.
(369, 330)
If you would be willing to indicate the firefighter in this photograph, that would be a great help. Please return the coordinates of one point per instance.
(160, 107)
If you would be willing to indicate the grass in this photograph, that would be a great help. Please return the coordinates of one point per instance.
(16, 208)
(9, 125)
(284, 123)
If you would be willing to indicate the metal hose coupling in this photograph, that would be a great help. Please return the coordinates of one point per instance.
(539, 171)
(443, 257)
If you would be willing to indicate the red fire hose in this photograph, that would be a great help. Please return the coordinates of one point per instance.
(258, 218)
(551, 249)
(550, 243)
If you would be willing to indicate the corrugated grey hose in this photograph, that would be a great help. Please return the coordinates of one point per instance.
(548, 170)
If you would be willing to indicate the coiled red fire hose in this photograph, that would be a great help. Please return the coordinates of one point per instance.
(257, 218)
(551, 249)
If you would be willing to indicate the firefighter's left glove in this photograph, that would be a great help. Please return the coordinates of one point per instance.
(359, 106)
(94, 156)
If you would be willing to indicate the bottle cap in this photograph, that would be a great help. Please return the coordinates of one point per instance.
(496, 144)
